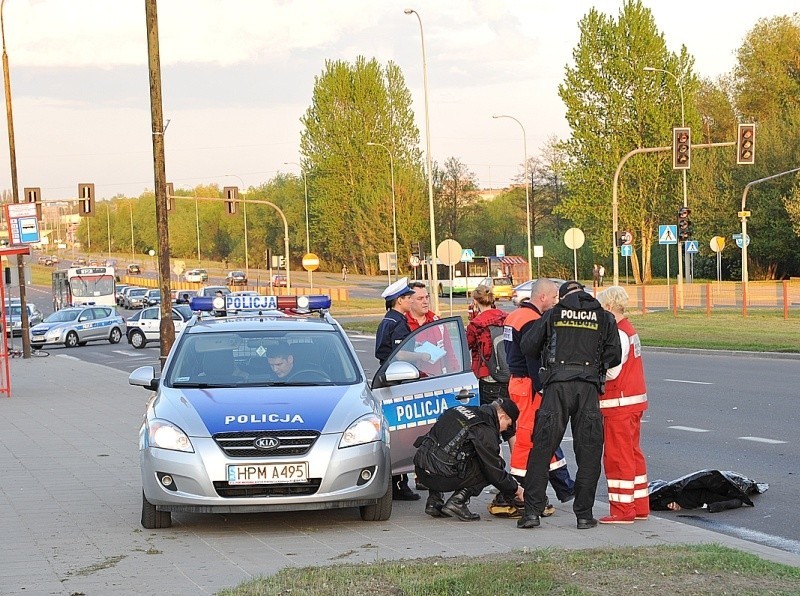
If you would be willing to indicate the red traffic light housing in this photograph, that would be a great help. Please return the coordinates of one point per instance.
(746, 144)
(684, 224)
(681, 148)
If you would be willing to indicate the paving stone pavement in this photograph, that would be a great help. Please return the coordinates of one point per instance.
(70, 501)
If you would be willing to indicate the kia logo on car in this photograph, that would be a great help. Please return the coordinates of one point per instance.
(266, 442)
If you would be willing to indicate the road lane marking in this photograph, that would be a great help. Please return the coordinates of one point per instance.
(690, 429)
(690, 382)
(763, 440)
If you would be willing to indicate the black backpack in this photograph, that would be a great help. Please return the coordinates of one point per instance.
(497, 365)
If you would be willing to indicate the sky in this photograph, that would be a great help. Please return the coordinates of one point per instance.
(237, 76)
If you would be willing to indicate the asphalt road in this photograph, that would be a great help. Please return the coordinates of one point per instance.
(727, 412)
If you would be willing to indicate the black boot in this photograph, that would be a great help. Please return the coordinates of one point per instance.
(723, 505)
(433, 506)
(401, 491)
(456, 506)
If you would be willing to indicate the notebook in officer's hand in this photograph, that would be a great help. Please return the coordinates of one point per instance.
(433, 350)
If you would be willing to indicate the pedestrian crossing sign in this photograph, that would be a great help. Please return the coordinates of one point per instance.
(668, 234)
(692, 246)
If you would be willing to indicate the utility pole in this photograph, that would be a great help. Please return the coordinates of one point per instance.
(12, 152)
(167, 327)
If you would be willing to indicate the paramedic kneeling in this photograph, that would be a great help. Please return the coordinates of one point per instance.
(461, 453)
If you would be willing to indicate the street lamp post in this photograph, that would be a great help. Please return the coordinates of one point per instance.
(394, 211)
(685, 194)
(434, 272)
(308, 235)
(527, 191)
(244, 212)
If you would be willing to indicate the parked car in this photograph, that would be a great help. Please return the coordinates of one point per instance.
(134, 298)
(523, 290)
(196, 276)
(145, 325)
(75, 326)
(134, 268)
(501, 287)
(278, 281)
(236, 278)
(152, 297)
(212, 290)
(119, 288)
(14, 316)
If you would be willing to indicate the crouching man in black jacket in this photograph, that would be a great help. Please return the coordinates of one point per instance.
(461, 453)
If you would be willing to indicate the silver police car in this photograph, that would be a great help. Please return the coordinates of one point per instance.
(263, 406)
(75, 326)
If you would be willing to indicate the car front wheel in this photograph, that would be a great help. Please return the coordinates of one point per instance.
(152, 518)
(137, 339)
(380, 511)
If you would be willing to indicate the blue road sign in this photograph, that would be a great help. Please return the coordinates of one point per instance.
(626, 250)
(668, 234)
(692, 246)
(739, 240)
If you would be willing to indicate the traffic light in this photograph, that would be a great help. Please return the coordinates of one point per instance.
(281, 262)
(684, 224)
(170, 196)
(34, 195)
(746, 144)
(416, 249)
(268, 258)
(231, 196)
(681, 148)
(623, 238)
(86, 200)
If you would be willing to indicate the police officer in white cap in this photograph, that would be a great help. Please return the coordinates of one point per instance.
(391, 333)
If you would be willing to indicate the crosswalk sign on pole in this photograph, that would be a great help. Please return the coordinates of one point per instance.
(692, 246)
(668, 234)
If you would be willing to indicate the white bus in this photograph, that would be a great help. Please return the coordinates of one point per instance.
(84, 285)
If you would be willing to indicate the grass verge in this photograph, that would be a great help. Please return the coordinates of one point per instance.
(704, 569)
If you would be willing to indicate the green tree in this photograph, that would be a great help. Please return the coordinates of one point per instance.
(352, 105)
(455, 191)
(613, 107)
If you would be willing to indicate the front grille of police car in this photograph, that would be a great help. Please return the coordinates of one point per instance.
(242, 444)
(299, 489)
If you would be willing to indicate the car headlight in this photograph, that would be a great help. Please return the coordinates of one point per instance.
(366, 429)
(165, 435)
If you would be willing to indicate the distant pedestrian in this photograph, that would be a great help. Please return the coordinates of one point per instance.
(596, 275)
(602, 273)
(344, 273)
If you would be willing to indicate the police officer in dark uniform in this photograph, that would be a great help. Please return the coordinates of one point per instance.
(461, 453)
(393, 329)
(576, 342)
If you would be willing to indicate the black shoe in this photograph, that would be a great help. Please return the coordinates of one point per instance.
(528, 521)
(433, 506)
(587, 524)
(405, 494)
(456, 506)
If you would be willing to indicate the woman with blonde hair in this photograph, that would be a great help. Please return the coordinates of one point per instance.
(622, 404)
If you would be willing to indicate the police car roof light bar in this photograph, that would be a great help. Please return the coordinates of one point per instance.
(255, 303)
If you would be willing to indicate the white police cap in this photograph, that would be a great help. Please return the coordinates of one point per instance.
(397, 289)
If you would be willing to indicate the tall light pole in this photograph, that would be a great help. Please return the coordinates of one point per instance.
(434, 273)
(133, 253)
(308, 235)
(527, 190)
(244, 211)
(679, 83)
(394, 211)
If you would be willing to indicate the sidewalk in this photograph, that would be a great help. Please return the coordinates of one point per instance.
(70, 501)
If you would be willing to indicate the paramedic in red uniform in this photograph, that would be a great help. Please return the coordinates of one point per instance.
(622, 406)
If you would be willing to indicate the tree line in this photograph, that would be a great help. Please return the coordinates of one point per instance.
(359, 142)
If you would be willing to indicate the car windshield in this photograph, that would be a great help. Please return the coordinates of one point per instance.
(62, 316)
(262, 359)
(184, 310)
(502, 281)
(137, 292)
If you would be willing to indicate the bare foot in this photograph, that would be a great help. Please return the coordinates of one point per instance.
(673, 506)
